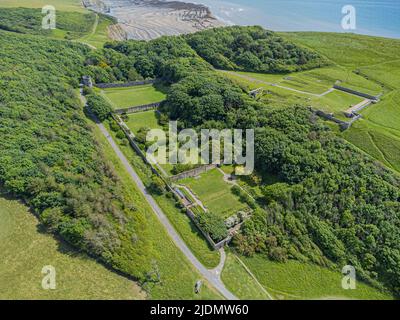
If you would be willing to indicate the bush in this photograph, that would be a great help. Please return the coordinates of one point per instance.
(213, 225)
(99, 106)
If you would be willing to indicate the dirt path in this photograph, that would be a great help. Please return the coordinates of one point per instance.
(279, 86)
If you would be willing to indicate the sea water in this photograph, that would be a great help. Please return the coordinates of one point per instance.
(373, 17)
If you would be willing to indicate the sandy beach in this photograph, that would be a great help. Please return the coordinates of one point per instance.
(150, 19)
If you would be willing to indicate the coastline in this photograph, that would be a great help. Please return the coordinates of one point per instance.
(150, 19)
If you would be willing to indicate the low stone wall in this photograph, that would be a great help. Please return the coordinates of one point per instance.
(125, 84)
(357, 93)
(145, 107)
(343, 124)
(194, 172)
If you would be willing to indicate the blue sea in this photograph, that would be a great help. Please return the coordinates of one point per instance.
(373, 17)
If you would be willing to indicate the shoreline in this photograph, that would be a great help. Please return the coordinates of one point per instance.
(150, 19)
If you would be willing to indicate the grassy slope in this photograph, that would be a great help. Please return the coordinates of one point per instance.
(215, 193)
(197, 244)
(62, 5)
(295, 280)
(134, 96)
(142, 119)
(25, 250)
(377, 59)
(98, 36)
(239, 281)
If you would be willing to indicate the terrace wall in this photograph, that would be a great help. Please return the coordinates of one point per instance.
(357, 93)
(194, 172)
(125, 84)
(145, 107)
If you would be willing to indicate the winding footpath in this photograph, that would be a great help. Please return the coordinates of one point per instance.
(212, 276)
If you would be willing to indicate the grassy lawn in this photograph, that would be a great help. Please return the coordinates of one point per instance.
(215, 193)
(139, 120)
(239, 281)
(296, 280)
(98, 36)
(336, 102)
(25, 249)
(177, 274)
(134, 96)
(189, 233)
(146, 119)
(62, 5)
(385, 73)
(381, 143)
(349, 50)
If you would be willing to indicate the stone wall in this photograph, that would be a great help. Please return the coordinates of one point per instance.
(145, 107)
(357, 93)
(194, 172)
(125, 84)
(343, 124)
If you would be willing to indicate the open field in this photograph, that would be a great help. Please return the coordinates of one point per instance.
(25, 249)
(336, 102)
(349, 50)
(380, 142)
(62, 5)
(147, 119)
(134, 96)
(99, 33)
(177, 275)
(239, 281)
(215, 193)
(385, 73)
(296, 280)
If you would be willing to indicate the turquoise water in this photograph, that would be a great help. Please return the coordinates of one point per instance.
(373, 17)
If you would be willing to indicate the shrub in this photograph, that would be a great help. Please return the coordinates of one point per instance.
(213, 225)
(99, 106)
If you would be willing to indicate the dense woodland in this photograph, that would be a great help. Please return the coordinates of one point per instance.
(252, 49)
(332, 205)
(50, 158)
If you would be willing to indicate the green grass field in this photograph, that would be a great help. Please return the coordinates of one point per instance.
(62, 5)
(25, 249)
(239, 281)
(349, 50)
(336, 102)
(134, 96)
(295, 280)
(215, 193)
(139, 120)
(98, 35)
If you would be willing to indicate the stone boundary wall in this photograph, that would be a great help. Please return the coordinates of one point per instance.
(194, 172)
(145, 107)
(343, 124)
(357, 93)
(125, 84)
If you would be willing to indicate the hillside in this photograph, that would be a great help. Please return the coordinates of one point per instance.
(319, 197)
